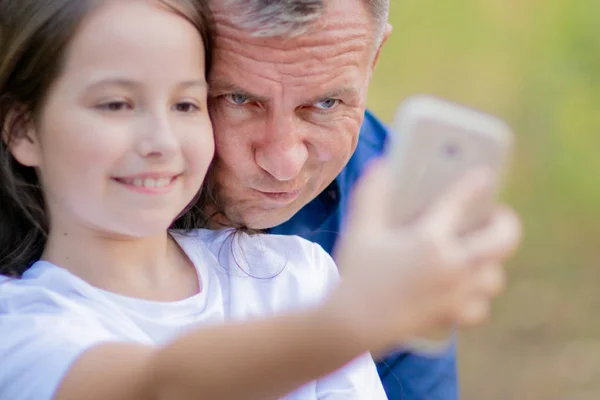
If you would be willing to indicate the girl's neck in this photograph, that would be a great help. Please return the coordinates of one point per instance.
(152, 268)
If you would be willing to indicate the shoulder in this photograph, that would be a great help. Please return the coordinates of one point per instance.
(298, 252)
(372, 139)
(299, 271)
(44, 288)
(373, 132)
(282, 270)
(256, 246)
(47, 298)
(304, 268)
(43, 332)
(289, 253)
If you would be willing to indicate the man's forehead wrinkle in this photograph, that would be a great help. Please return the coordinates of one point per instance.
(331, 52)
(303, 62)
(336, 38)
(337, 56)
(312, 72)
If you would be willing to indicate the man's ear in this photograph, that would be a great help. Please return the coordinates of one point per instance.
(20, 137)
(386, 35)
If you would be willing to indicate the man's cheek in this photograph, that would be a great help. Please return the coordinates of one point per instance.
(233, 141)
(228, 152)
(324, 155)
(336, 149)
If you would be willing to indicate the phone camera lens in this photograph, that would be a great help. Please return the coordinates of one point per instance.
(451, 150)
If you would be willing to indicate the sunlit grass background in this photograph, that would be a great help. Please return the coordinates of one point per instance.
(536, 63)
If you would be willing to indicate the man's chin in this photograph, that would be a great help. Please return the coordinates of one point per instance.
(267, 219)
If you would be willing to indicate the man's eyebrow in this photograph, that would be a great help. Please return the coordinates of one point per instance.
(218, 87)
(349, 91)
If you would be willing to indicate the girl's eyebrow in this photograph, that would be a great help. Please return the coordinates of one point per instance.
(132, 84)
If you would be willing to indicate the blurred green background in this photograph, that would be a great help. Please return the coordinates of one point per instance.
(535, 63)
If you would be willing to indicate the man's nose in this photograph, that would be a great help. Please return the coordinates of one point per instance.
(282, 152)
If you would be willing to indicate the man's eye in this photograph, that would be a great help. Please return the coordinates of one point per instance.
(237, 99)
(115, 106)
(327, 104)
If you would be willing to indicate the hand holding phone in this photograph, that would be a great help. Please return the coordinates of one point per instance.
(435, 143)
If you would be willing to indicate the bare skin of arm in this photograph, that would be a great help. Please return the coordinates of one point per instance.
(252, 360)
(397, 282)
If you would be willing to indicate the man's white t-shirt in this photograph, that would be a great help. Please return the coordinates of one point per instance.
(50, 317)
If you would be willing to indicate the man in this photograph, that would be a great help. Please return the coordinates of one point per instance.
(288, 101)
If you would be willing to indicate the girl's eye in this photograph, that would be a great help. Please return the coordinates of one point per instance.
(115, 106)
(186, 107)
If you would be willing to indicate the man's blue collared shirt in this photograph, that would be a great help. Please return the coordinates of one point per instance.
(405, 376)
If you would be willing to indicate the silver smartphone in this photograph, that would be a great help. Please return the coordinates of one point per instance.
(434, 143)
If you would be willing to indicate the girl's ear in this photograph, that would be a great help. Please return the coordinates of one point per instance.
(20, 137)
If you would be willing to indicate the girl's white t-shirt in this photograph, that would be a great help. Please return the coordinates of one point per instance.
(50, 317)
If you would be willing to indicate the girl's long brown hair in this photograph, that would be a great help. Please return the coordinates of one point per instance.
(34, 39)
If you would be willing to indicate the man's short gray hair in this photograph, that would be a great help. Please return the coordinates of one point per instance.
(270, 18)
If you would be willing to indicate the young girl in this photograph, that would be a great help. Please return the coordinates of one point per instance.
(106, 141)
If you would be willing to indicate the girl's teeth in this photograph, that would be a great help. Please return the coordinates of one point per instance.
(151, 183)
